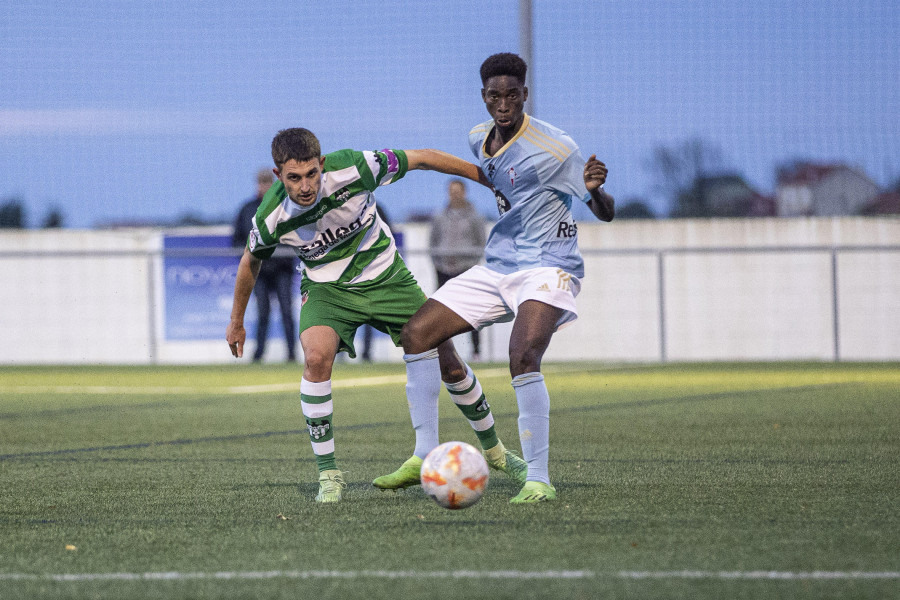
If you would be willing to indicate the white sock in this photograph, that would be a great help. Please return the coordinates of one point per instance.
(423, 385)
(534, 424)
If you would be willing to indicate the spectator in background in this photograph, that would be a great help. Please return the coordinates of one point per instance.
(276, 275)
(457, 242)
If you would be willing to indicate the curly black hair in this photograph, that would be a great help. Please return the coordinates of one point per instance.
(505, 63)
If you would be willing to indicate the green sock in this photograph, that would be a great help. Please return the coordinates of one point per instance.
(469, 398)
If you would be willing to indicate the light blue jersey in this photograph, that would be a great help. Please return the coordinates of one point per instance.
(537, 174)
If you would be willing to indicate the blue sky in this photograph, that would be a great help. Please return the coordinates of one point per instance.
(120, 110)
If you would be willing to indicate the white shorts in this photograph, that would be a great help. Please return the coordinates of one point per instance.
(482, 296)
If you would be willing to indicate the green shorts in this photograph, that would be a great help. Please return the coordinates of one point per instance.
(386, 303)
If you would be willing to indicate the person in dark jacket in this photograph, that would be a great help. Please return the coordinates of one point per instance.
(276, 275)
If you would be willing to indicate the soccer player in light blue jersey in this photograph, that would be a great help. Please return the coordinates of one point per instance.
(533, 266)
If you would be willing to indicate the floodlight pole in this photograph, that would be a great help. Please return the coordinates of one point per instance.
(835, 314)
(526, 31)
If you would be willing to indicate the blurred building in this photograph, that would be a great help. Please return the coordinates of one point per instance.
(887, 203)
(724, 196)
(810, 189)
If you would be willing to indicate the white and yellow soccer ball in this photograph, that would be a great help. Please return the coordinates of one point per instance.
(454, 474)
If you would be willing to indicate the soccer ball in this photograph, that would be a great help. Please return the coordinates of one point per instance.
(454, 474)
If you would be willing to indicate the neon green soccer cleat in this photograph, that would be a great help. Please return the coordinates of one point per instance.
(407, 475)
(331, 486)
(506, 461)
(535, 491)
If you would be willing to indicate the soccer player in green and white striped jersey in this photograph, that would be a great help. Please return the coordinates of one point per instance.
(324, 208)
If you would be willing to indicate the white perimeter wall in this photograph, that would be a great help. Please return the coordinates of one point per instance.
(76, 297)
(680, 290)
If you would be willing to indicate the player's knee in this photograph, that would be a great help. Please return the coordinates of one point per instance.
(318, 364)
(412, 337)
(524, 360)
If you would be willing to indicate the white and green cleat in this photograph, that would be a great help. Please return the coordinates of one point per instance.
(535, 491)
(331, 486)
(409, 474)
(506, 461)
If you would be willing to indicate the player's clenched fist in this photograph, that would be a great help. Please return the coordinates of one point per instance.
(594, 173)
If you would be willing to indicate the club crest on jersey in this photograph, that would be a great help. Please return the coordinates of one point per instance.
(512, 176)
(342, 195)
(491, 169)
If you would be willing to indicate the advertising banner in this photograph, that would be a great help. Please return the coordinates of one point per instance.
(198, 279)
(198, 284)
(198, 289)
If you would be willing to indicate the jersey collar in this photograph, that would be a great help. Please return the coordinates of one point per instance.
(519, 133)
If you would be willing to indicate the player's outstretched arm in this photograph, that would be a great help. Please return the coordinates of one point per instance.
(437, 160)
(601, 203)
(248, 271)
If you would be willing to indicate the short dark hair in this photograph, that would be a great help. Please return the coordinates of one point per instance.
(295, 143)
(505, 63)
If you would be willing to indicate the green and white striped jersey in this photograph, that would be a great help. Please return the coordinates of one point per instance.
(340, 238)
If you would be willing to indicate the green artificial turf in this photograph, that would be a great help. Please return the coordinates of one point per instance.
(700, 481)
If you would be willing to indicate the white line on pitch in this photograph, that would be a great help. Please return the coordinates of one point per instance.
(759, 575)
(240, 389)
(347, 383)
(241, 575)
